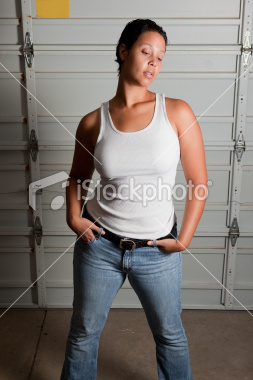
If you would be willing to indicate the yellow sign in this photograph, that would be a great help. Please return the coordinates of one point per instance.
(52, 8)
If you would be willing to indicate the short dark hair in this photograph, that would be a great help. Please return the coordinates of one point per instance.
(132, 32)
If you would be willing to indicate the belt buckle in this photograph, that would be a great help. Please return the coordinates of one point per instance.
(125, 239)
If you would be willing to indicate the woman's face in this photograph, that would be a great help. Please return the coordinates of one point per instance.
(144, 60)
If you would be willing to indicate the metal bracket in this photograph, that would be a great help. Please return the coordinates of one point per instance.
(37, 230)
(234, 232)
(247, 49)
(33, 145)
(27, 49)
(240, 146)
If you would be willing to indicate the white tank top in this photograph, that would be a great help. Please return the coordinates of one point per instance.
(131, 198)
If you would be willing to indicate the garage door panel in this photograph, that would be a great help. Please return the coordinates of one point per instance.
(207, 242)
(54, 132)
(243, 272)
(14, 182)
(103, 61)
(59, 296)
(192, 8)
(246, 219)
(219, 131)
(21, 243)
(58, 265)
(249, 130)
(209, 218)
(11, 294)
(245, 243)
(200, 93)
(175, 61)
(214, 157)
(126, 298)
(193, 272)
(248, 160)
(245, 297)
(200, 298)
(11, 131)
(217, 191)
(246, 191)
(13, 102)
(54, 157)
(55, 238)
(56, 93)
(14, 200)
(13, 63)
(17, 266)
(16, 218)
(47, 32)
(13, 157)
(73, 72)
(52, 218)
(249, 110)
(10, 8)
(10, 32)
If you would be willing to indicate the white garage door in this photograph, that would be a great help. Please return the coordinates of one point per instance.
(69, 70)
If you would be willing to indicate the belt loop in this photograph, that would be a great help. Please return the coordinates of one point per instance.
(99, 233)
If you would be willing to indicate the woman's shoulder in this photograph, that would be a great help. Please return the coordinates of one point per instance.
(90, 119)
(179, 112)
(90, 124)
(174, 102)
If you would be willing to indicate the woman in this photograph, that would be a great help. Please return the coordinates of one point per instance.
(138, 136)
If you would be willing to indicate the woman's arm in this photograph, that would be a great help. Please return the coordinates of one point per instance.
(194, 165)
(82, 169)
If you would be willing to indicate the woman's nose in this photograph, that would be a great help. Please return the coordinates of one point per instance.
(153, 62)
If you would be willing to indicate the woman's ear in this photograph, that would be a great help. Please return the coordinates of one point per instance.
(123, 52)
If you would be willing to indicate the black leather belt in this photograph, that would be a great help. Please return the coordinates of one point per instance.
(128, 242)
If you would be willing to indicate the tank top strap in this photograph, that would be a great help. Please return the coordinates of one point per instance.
(102, 121)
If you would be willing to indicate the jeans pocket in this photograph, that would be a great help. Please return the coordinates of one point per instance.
(79, 239)
(97, 236)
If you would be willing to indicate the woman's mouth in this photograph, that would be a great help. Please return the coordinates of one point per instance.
(148, 74)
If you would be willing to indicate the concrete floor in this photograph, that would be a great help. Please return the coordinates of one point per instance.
(32, 345)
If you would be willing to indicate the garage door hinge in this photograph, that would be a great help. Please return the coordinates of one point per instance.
(28, 51)
(240, 146)
(246, 49)
(33, 145)
(234, 232)
(37, 230)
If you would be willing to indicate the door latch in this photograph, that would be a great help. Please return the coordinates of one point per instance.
(37, 230)
(246, 49)
(234, 232)
(240, 146)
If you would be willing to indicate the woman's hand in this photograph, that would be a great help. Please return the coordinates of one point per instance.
(168, 245)
(84, 228)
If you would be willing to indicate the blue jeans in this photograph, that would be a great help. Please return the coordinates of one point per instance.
(100, 269)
